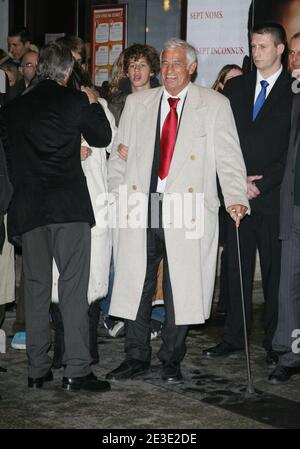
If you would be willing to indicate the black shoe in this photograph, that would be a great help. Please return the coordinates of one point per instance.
(272, 358)
(38, 382)
(89, 383)
(221, 350)
(282, 374)
(128, 369)
(115, 328)
(171, 373)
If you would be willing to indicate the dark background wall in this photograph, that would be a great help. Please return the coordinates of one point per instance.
(74, 17)
(53, 16)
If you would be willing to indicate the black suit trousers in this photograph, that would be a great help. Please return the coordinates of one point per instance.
(137, 345)
(69, 244)
(257, 231)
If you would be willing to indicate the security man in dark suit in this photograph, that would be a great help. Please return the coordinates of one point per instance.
(261, 103)
(51, 213)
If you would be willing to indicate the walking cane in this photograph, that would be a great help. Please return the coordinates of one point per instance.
(250, 388)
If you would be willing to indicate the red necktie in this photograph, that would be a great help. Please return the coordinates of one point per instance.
(168, 138)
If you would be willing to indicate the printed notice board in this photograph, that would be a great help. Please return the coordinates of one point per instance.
(108, 39)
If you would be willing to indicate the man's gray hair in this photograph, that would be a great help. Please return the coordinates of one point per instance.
(54, 62)
(175, 42)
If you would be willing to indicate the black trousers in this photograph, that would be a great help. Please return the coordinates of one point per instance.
(137, 345)
(286, 338)
(257, 231)
(69, 244)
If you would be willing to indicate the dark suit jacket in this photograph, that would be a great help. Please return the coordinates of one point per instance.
(42, 135)
(17, 89)
(264, 142)
(287, 187)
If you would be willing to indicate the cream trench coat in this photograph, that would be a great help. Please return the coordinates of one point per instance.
(7, 272)
(207, 143)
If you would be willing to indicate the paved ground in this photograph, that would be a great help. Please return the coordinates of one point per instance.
(212, 397)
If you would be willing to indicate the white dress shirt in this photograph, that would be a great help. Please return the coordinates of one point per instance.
(271, 80)
(164, 110)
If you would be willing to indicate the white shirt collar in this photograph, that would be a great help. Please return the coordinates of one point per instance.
(271, 79)
(181, 94)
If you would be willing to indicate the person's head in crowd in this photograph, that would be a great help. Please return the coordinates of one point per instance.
(18, 43)
(117, 73)
(77, 47)
(28, 66)
(294, 55)
(34, 48)
(268, 44)
(12, 73)
(178, 64)
(78, 78)
(55, 63)
(141, 63)
(226, 73)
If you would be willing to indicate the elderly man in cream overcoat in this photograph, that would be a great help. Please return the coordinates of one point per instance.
(179, 137)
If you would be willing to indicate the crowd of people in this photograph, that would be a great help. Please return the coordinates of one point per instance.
(191, 160)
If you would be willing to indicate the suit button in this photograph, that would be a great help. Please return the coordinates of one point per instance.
(193, 157)
(193, 220)
(134, 187)
(127, 217)
(191, 189)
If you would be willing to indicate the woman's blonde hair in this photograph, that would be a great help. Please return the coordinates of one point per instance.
(222, 75)
(117, 73)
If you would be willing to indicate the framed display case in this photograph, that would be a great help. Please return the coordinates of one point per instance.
(109, 33)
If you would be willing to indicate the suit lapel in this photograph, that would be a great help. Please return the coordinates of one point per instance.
(250, 84)
(147, 114)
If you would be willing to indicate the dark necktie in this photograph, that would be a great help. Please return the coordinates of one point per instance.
(168, 138)
(260, 99)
